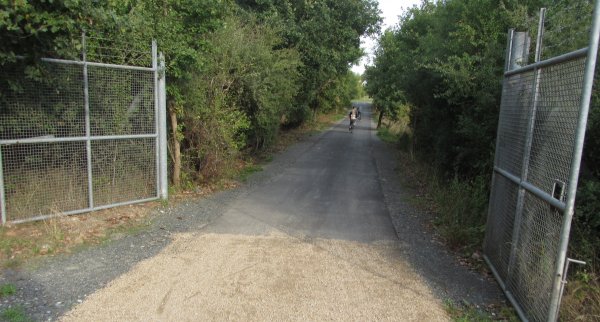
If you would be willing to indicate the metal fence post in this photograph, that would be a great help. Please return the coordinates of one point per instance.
(2, 198)
(162, 114)
(522, 49)
(588, 81)
(88, 141)
(510, 39)
(156, 116)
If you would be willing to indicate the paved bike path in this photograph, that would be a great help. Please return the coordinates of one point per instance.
(312, 242)
(330, 190)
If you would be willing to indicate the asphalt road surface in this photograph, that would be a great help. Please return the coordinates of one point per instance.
(314, 241)
(330, 191)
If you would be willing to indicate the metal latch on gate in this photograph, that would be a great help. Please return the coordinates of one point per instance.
(558, 190)
(563, 282)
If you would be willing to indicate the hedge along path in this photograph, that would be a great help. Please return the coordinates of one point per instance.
(275, 277)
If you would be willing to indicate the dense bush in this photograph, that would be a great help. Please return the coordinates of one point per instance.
(239, 99)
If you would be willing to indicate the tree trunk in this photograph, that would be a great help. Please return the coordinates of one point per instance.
(380, 118)
(176, 148)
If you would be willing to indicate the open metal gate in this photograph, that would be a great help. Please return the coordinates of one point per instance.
(539, 145)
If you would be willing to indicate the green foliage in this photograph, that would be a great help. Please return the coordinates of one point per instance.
(582, 299)
(37, 27)
(339, 93)
(180, 28)
(14, 314)
(327, 36)
(585, 236)
(386, 135)
(462, 211)
(465, 312)
(247, 171)
(232, 78)
(7, 290)
(381, 78)
(238, 100)
(446, 60)
(591, 156)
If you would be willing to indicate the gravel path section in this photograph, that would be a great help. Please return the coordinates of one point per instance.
(265, 278)
(58, 284)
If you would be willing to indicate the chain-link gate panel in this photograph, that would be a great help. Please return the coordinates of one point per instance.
(77, 136)
(123, 170)
(121, 101)
(538, 150)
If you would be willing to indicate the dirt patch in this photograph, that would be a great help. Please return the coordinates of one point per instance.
(232, 277)
(63, 234)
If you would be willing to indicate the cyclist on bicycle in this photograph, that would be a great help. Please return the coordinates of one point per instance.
(352, 117)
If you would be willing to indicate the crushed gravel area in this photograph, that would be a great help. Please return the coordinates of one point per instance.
(265, 278)
(74, 283)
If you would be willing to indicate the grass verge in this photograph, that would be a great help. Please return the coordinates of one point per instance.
(581, 301)
(465, 312)
(386, 135)
(7, 290)
(14, 314)
(21, 243)
(247, 171)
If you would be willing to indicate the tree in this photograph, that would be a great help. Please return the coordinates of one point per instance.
(445, 60)
(327, 35)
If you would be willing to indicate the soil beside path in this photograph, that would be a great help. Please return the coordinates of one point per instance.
(309, 238)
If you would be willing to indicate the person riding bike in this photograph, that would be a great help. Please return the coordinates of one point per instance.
(352, 116)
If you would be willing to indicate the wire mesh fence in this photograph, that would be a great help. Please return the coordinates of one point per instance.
(77, 135)
(538, 152)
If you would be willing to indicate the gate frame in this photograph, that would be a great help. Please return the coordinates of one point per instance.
(568, 206)
(588, 82)
(160, 135)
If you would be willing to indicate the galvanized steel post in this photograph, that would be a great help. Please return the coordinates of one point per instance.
(88, 139)
(2, 198)
(162, 115)
(156, 117)
(588, 80)
(520, 58)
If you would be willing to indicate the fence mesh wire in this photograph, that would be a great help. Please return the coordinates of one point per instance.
(123, 170)
(556, 118)
(536, 136)
(121, 101)
(104, 50)
(44, 178)
(43, 143)
(517, 95)
(531, 277)
(500, 224)
(50, 105)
